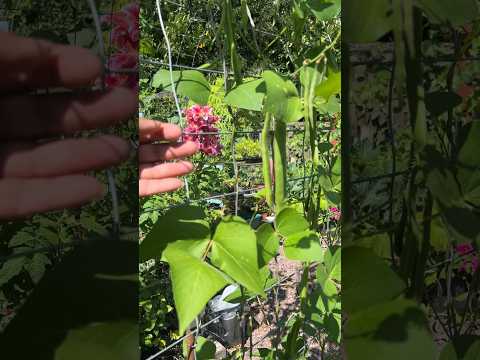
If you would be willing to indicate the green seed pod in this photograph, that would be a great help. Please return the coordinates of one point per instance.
(265, 149)
(280, 164)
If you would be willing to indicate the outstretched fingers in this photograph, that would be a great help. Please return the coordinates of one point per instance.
(30, 64)
(25, 197)
(152, 187)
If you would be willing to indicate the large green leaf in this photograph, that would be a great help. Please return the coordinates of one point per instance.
(181, 227)
(439, 237)
(395, 330)
(106, 341)
(333, 263)
(439, 180)
(331, 86)
(188, 83)
(324, 10)
(86, 305)
(333, 106)
(290, 222)
(366, 21)
(470, 180)
(234, 251)
(464, 223)
(267, 244)
(248, 95)
(465, 347)
(367, 280)
(440, 102)
(291, 349)
(304, 246)
(282, 98)
(194, 283)
(205, 349)
(459, 12)
(326, 282)
(469, 152)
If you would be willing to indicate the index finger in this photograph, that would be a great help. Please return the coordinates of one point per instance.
(28, 64)
(152, 130)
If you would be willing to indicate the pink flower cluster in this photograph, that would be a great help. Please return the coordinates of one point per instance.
(201, 120)
(471, 261)
(125, 37)
(335, 213)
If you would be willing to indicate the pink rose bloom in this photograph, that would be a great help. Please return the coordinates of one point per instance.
(201, 120)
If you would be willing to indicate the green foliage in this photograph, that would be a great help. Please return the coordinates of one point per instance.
(282, 99)
(192, 276)
(247, 148)
(248, 95)
(433, 207)
(263, 84)
(189, 83)
(461, 348)
(374, 333)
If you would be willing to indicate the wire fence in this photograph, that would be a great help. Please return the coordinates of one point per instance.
(378, 198)
(173, 52)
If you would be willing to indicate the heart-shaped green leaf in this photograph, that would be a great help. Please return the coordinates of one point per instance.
(290, 222)
(331, 86)
(365, 273)
(395, 330)
(248, 95)
(304, 246)
(194, 283)
(181, 227)
(106, 341)
(456, 13)
(282, 98)
(188, 83)
(267, 244)
(234, 251)
(465, 347)
(366, 23)
(440, 102)
(324, 10)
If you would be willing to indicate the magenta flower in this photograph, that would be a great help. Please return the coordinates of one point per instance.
(125, 37)
(200, 129)
(335, 213)
(470, 261)
(125, 27)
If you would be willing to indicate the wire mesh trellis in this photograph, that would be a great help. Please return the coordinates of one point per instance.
(174, 52)
(378, 196)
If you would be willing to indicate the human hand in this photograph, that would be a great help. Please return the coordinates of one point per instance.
(155, 173)
(38, 171)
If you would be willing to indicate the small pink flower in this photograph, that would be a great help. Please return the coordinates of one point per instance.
(464, 249)
(465, 91)
(335, 213)
(470, 261)
(125, 27)
(201, 120)
(123, 61)
(7, 311)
